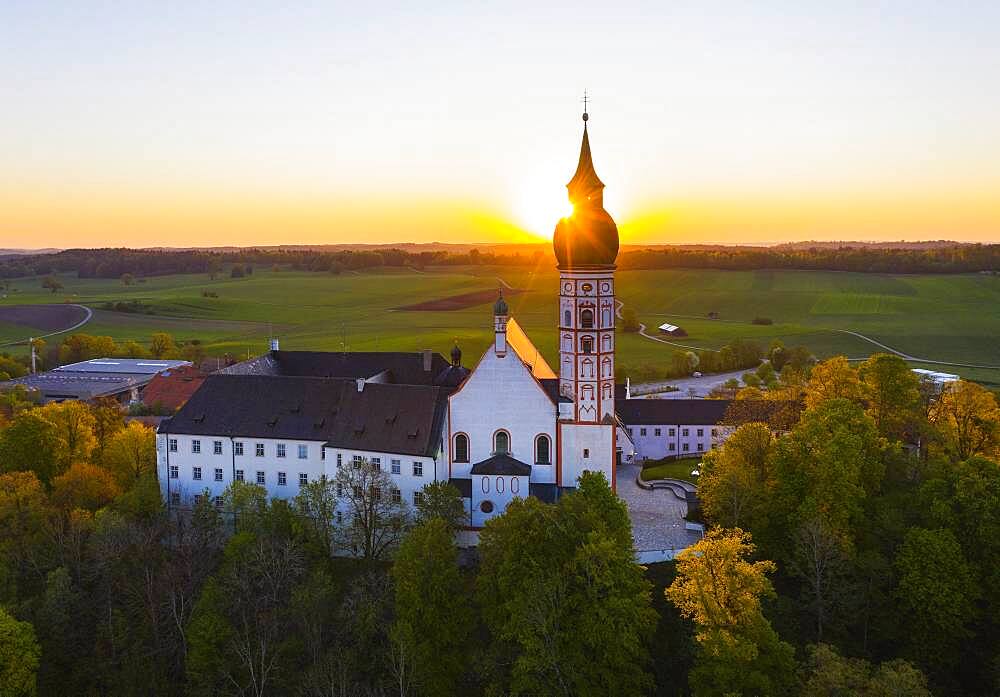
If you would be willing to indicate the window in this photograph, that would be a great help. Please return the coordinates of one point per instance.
(198, 498)
(461, 448)
(672, 447)
(340, 459)
(172, 445)
(657, 432)
(218, 474)
(588, 344)
(260, 477)
(642, 431)
(586, 453)
(672, 432)
(587, 319)
(303, 452)
(216, 447)
(418, 469)
(239, 475)
(174, 472)
(282, 479)
(686, 447)
(196, 473)
(418, 498)
(701, 446)
(175, 498)
(568, 318)
(542, 456)
(196, 446)
(377, 463)
(486, 506)
(501, 443)
(397, 497)
(279, 450)
(715, 432)
(357, 462)
(701, 432)
(259, 450)
(322, 453)
(218, 501)
(238, 448)
(340, 489)
(376, 494)
(630, 431)
(303, 478)
(396, 466)
(685, 432)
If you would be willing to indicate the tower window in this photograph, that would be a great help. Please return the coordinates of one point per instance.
(587, 319)
(461, 448)
(542, 450)
(587, 343)
(568, 318)
(501, 443)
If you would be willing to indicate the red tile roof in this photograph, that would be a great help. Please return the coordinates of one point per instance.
(172, 388)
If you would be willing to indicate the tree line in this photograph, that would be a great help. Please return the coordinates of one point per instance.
(133, 264)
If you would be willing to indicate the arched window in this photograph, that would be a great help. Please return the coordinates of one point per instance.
(501, 443)
(587, 343)
(587, 368)
(586, 392)
(461, 448)
(587, 319)
(607, 390)
(568, 318)
(605, 367)
(542, 456)
(606, 342)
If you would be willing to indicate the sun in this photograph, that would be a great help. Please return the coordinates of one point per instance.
(537, 207)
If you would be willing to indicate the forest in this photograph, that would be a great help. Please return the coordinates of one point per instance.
(853, 547)
(116, 263)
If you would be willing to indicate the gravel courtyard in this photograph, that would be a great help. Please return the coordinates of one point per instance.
(657, 516)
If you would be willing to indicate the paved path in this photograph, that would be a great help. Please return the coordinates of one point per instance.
(642, 333)
(88, 315)
(657, 516)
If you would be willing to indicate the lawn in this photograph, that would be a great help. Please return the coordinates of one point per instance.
(953, 318)
(672, 469)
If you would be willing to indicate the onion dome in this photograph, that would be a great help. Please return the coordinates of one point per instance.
(456, 355)
(588, 237)
(500, 306)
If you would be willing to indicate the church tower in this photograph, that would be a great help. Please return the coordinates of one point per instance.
(586, 246)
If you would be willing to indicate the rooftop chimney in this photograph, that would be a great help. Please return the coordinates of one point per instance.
(274, 344)
(428, 354)
(361, 384)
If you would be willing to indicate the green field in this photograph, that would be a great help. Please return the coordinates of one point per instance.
(954, 318)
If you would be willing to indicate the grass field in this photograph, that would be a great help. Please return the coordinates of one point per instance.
(675, 469)
(953, 318)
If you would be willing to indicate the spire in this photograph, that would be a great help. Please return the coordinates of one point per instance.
(500, 306)
(585, 187)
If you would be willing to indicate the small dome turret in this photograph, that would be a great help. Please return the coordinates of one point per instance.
(500, 306)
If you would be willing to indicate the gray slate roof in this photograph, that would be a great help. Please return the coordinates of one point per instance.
(502, 464)
(405, 419)
(707, 412)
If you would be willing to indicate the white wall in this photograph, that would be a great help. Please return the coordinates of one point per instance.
(500, 490)
(597, 441)
(671, 439)
(502, 393)
(406, 481)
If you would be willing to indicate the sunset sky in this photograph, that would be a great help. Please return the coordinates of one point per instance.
(222, 123)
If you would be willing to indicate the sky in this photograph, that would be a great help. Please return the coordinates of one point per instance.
(242, 123)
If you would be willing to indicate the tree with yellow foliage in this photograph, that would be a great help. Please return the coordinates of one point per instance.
(720, 590)
(734, 477)
(833, 378)
(73, 424)
(84, 486)
(968, 418)
(130, 454)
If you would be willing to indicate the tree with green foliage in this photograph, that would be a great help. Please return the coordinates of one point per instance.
(127, 279)
(566, 603)
(833, 378)
(967, 417)
(83, 347)
(937, 593)
(433, 614)
(891, 391)
(720, 590)
(630, 320)
(442, 500)
(317, 502)
(828, 674)
(733, 481)
(52, 283)
(19, 657)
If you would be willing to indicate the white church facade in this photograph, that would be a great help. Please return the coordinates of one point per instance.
(510, 427)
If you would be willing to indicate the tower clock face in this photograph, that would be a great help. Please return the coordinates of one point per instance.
(568, 288)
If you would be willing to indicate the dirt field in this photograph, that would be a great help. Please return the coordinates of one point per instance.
(51, 318)
(457, 302)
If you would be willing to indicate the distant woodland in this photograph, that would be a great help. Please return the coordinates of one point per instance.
(858, 257)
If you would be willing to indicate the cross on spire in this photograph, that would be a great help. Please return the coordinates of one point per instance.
(586, 101)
